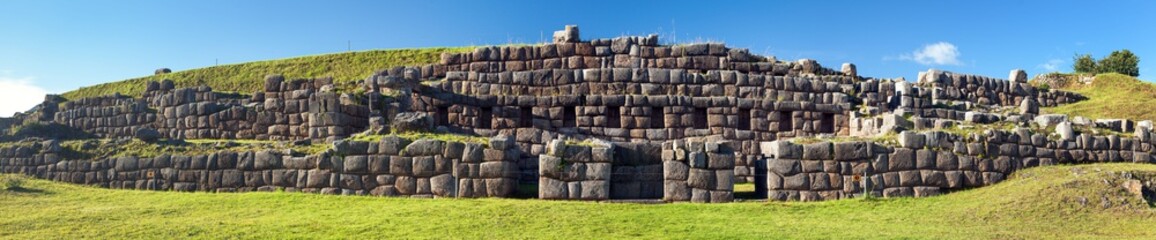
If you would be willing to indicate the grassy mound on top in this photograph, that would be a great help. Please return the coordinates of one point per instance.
(249, 77)
(1084, 201)
(1112, 95)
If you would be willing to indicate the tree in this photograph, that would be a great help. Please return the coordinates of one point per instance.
(1121, 61)
(1084, 64)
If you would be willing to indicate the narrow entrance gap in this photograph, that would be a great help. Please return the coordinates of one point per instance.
(443, 114)
(786, 121)
(527, 117)
(744, 119)
(827, 123)
(700, 118)
(485, 118)
(613, 117)
(569, 118)
(657, 119)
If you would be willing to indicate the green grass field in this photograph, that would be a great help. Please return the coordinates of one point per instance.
(1035, 203)
(1112, 95)
(249, 77)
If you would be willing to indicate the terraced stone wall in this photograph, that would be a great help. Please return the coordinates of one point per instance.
(291, 110)
(391, 167)
(925, 164)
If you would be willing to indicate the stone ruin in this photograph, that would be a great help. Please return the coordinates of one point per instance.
(599, 119)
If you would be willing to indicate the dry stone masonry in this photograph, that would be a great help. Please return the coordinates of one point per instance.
(592, 119)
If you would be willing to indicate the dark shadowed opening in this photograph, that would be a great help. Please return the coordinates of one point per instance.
(827, 123)
(485, 118)
(613, 117)
(786, 121)
(744, 119)
(657, 119)
(569, 118)
(443, 116)
(526, 117)
(700, 118)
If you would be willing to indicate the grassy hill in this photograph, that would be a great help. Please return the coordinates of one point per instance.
(249, 77)
(1112, 95)
(1043, 203)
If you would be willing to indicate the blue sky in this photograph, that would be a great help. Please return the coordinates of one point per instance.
(54, 46)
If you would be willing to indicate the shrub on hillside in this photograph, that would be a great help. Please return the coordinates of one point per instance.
(12, 182)
(1121, 61)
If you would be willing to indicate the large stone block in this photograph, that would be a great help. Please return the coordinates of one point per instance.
(598, 171)
(424, 147)
(901, 159)
(933, 178)
(898, 192)
(784, 167)
(846, 151)
(675, 191)
(925, 159)
(501, 142)
(444, 185)
(549, 188)
(911, 140)
(910, 178)
(424, 166)
(356, 164)
(720, 160)
(701, 178)
(595, 190)
(675, 170)
(498, 169)
(818, 151)
(797, 182)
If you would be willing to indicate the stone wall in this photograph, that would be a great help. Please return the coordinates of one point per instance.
(575, 171)
(391, 167)
(925, 164)
(637, 171)
(107, 116)
(286, 110)
(698, 171)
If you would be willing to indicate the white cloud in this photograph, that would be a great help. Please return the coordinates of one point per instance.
(940, 53)
(1053, 65)
(18, 94)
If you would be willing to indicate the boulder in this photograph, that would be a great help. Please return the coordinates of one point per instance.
(273, 82)
(167, 84)
(911, 140)
(845, 151)
(424, 147)
(1064, 129)
(895, 123)
(147, 134)
(413, 122)
(501, 142)
(160, 71)
(1029, 106)
(849, 70)
(1018, 76)
(1045, 120)
(568, 35)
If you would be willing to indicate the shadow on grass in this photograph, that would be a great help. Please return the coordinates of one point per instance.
(27, 191)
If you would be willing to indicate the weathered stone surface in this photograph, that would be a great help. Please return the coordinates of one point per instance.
(846, 151)
(147, 134)
(911, 140)
(817, 151)
(412, 122)
(424, 147)
(501, 142)
(901, 159)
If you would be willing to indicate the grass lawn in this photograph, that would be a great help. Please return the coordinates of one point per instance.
(1112, 95)
(249, 77)
(1035, 203)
